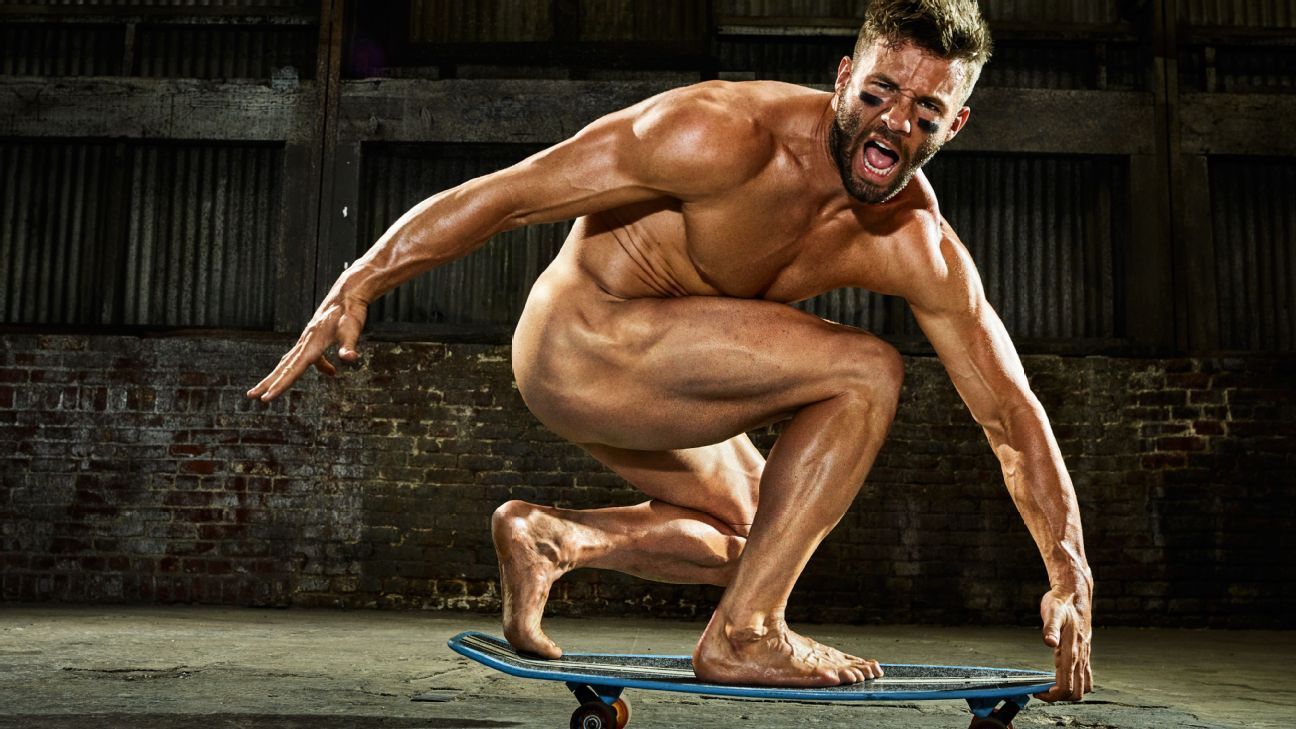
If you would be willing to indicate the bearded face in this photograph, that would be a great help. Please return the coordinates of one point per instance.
(871, 158)
(893, 111)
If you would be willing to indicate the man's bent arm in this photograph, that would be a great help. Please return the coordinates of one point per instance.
(983, 364)
(685, 144)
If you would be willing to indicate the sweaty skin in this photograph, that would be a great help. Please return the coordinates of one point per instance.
(660, 335)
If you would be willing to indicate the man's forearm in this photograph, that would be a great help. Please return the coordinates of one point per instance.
(1041, 488)
(438, 230)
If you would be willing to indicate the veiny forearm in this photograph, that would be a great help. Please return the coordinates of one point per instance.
(1041, 488)
(438, 230)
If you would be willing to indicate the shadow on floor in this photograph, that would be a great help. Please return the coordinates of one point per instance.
(239, 721)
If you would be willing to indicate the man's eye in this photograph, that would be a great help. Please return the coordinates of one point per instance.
(870, 99)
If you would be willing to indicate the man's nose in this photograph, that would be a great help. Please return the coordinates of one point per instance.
(897, 117)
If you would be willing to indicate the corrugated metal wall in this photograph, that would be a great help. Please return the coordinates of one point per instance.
(202, 235)
(249, 5)
(1238, 13)
(53, 241)
(794, 60)
(1079, 12)
(1254, 227)
(1045, 232)
(223, 52)
(670, 20)
(487, 287)
(29, 49)
(1094, 12)
(469, 21)
(187, 240)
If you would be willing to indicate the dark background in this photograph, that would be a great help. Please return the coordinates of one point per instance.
(180, 182)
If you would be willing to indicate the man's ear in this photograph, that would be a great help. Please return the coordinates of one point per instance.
(960, 118)
(843, 78)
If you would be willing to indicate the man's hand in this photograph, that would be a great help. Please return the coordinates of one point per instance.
(1068, 631)
(338, 320)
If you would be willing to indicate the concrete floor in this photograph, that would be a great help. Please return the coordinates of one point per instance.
(155, 668)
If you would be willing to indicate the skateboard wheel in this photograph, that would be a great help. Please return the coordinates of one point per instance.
(622, 708)
(595, 715)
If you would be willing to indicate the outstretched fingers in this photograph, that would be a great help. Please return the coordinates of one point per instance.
(339, 322)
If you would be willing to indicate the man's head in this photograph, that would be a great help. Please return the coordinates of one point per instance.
(903, 93)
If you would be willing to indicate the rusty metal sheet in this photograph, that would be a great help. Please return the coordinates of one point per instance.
(487, 287)
(1254, 226)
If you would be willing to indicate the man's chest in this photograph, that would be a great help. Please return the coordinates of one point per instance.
(783, 254)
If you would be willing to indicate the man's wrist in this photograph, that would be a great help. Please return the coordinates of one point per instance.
(1076, 578)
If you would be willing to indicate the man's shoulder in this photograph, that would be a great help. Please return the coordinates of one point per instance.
(714, 128)
(933, 262)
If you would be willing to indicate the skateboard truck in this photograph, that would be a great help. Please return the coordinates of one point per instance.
(990, 714)
(601, 707)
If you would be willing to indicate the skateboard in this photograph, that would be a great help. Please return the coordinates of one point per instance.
(597, 680)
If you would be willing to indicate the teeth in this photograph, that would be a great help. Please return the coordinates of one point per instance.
(883, 173)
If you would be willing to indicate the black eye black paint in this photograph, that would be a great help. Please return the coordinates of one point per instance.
(928, 126)
(870, 99)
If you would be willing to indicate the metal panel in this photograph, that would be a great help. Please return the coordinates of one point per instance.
(791, 8)
(1079, 12)
(52, 237)
(201, 248)
(1043, 230)
(1061, 64)
(793, 59)
(486, 21)
(60, 50)
(1254, 226)
(488, 287)
(1238, 13)
(248, 5)
(1096, 12)
(224, 52)
(631, 20)
(1242, 68)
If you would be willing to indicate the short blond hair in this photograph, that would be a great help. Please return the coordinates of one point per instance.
(951, 29)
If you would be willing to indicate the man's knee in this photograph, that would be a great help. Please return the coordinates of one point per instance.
(872, 370)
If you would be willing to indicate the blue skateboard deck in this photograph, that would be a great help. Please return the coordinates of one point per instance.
(995, 695)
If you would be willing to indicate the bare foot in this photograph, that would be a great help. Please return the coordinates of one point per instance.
(773, 655)
(527, 542)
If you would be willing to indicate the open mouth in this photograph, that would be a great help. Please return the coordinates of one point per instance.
(880, 159)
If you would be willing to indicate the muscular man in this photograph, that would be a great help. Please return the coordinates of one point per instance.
(661, 334)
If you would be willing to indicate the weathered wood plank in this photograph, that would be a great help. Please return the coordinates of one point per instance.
(155, 109)
(483, 111)
(1059, 121)
(1244, 124)
(544, 111)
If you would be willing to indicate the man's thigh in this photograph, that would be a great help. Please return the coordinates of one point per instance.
(666, 374)
(721, 480)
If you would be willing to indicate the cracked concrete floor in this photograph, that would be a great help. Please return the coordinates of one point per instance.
(167, 668)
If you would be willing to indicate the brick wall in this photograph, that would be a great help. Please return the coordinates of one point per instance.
(132, 470)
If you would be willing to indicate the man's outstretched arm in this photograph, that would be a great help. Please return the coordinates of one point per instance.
(983, 364)
(684, 144)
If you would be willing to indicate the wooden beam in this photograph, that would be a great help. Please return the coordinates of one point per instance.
(546, 111)
(169, 14)
(114, 108)
(1239, 124)
(481, 111)
(1059, 121)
